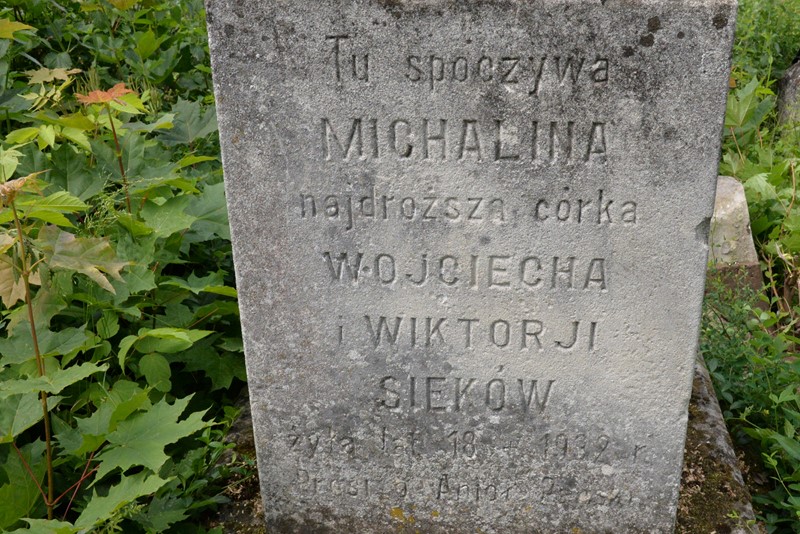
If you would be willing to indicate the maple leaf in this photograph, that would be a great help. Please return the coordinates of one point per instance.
(101, 507)
(87, 255)
(141, 439)
(104, 97)
(8, 27)
(44, 75)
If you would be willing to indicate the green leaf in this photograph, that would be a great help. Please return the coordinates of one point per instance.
(53, 382)
(161, 65)
(139, 278)
(790, 446)
(47, 136)
(212, 214)
(757, 187)
(741, 105)
(108, 325)
(76, 136)
(21, 495)
(164, 511)
(124, 347)
(124, 399)
(176, 315)
(156, 371)
(18, 348)
(86, 255)
(196, 284)
(168, 340)
(128, 490)
(22, 136)
(212, 283)
(163, 123)
(134, 226)
(146, 43)
(791, 242)
(232, 344)
(222, 290)
(129, 103)
(9, 159)
(45, 526)
(193, 160)
(221, 369)
(190, 123)
(60, 201)
(167, 218)
(140, 440)
(71, 172)
(52, 217)
(17, 414)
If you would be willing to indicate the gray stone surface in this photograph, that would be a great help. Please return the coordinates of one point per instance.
(730, 240)
(732, 253)
(470, 240)
(713, 494)
(789, 94)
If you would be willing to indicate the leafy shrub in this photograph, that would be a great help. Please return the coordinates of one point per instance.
(116, 281)
(756, 378)
(751, 352)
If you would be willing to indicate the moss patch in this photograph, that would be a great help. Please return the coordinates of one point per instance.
(709, 496)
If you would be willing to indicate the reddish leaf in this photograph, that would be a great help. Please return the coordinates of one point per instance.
(104, 97)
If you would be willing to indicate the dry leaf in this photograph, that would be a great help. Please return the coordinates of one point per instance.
(45, 75)
(9, 189)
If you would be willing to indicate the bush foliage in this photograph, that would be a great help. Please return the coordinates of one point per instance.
(752, 350)
(118, 302)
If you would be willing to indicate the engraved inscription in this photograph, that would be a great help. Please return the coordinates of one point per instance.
(597, 208)
(473, 491)
(546, 444)
(467, 333)
(538, 142)
(530, 72)
(546, 490)
(498, 271)
(347, 65)
(326, 441)
(440, 394)
(348, 209)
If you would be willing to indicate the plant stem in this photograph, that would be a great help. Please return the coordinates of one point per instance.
(28, 469)
(119, 159)
(26, 274)
(736, 142)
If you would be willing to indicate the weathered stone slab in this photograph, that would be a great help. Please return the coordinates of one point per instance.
(730, 239)
(732, 252)
(470, 240)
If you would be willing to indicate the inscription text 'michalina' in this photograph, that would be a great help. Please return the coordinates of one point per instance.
(464, 139)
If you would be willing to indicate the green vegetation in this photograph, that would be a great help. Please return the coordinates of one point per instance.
(752, 352)
(116, 278)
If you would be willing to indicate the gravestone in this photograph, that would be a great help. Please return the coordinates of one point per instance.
(470, 242)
